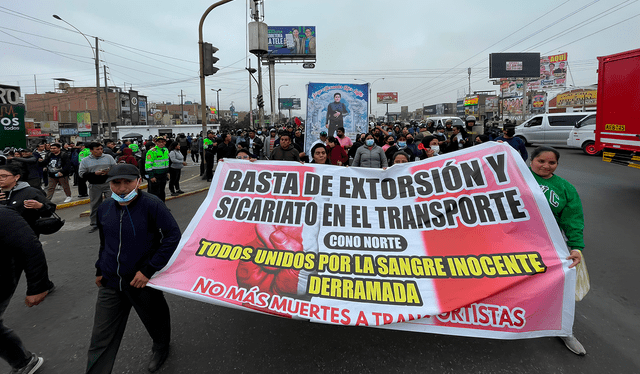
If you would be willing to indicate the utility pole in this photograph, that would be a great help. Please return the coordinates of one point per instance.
(469, 71)
(250, 99)
(182, 107)
(106, 100)
(524, 99)
(272, 89)
(99, 108)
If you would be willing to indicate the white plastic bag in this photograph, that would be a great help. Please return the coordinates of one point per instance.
(582, 279)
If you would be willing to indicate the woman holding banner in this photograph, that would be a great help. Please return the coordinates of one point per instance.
(370, 155)
(566, 206)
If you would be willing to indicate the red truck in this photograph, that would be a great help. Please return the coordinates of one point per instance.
(617, 117)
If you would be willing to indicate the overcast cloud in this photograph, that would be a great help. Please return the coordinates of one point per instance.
(422, 49)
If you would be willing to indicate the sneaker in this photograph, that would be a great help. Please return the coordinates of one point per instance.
(574, 345)
(179, 192)
(68, 199)
(174, 194)
(33, 366)
(81, 196)
(93, 229)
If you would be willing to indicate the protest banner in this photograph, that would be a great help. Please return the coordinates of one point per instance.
(463, 244)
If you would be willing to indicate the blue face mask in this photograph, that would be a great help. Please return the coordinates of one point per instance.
(125, 198)
(368, 142)
(402, 144)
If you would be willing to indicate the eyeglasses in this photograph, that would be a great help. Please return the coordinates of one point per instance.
(5, 176)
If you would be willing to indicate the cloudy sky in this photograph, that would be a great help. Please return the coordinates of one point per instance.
(422, 49)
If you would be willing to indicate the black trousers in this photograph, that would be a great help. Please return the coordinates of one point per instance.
(174, 179)
(158, 187)
(112, 313)
(11, 348)
(209, 157)
(195, 156)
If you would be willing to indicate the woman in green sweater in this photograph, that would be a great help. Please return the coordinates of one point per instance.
(567, 210)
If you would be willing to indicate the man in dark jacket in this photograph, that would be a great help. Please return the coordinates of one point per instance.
(28, 201)
(59, 167)
(227, 148)
(138, 235)
(21, 251)
(285, 151)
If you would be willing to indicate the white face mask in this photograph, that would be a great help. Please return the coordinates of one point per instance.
(435, 148)
(126, 198)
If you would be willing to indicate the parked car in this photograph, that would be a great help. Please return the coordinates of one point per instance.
(549, 128)
(442, 120)
(583, 135)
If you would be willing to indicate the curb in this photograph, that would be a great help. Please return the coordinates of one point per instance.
(82, 202)
(88, 212)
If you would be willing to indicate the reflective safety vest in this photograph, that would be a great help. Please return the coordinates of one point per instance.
(157, 161)
(207, 142)
(83, 153)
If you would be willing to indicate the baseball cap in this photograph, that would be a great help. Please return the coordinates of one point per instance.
(161, 138)
(123, 171)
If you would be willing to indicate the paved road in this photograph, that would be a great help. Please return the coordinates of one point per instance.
(208, 338)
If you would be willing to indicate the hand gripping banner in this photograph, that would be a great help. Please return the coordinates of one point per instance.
(462, 244)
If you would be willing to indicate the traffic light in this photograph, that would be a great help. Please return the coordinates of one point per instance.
(209, 60)
(260, 101)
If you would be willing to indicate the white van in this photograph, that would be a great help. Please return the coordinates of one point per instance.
(442, 120)
(549, 128)
(583, 135)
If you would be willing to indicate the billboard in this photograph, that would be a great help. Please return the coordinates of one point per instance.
(333, 105)
(84, 121)
(13, 132)
(387, 97)
(581, 98)
(553, 73)
(135, 109)
(289, 103)
(514, 65)
(292, 41)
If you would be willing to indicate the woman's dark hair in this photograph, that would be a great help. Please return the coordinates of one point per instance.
(400, 153)
(313, 151)
(334, 140)
(427, 139)
(536, 152)
(11, 168)
(484, 138)
(173, 146)
(510, 131)
(243, 150)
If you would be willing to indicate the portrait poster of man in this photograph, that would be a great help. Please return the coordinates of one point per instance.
(334, 105)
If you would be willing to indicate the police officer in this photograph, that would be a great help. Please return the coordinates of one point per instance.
(210, 148)
(156, 166)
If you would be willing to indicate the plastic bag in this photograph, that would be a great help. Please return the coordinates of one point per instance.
(582, 279)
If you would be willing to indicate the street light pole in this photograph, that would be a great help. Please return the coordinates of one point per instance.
(203, 93)
(279, 111)
(370, 86)
(218, 101)
(95, 57)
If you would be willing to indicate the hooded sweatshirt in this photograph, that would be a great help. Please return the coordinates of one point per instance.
(22, 191)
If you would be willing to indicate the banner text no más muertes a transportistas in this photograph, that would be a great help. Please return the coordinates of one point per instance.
(461, 245)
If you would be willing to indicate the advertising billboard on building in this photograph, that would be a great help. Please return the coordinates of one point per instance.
(135, 108)
(387, 97)
(142, 109)
(84, 121)
(553, 73)
(574, 99)
(298, 42)
(13, 132)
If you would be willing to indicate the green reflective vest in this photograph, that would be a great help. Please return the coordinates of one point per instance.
(157, 161)
(83, 153)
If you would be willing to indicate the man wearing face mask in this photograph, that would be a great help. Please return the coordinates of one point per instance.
(442, 137)
(138, 236)
(413, 147)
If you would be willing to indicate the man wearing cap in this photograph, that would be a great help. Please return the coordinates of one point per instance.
(94, 169)
(156, 166)
(322, 140)
(211, 148)
(423, 132)
(138, 236)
